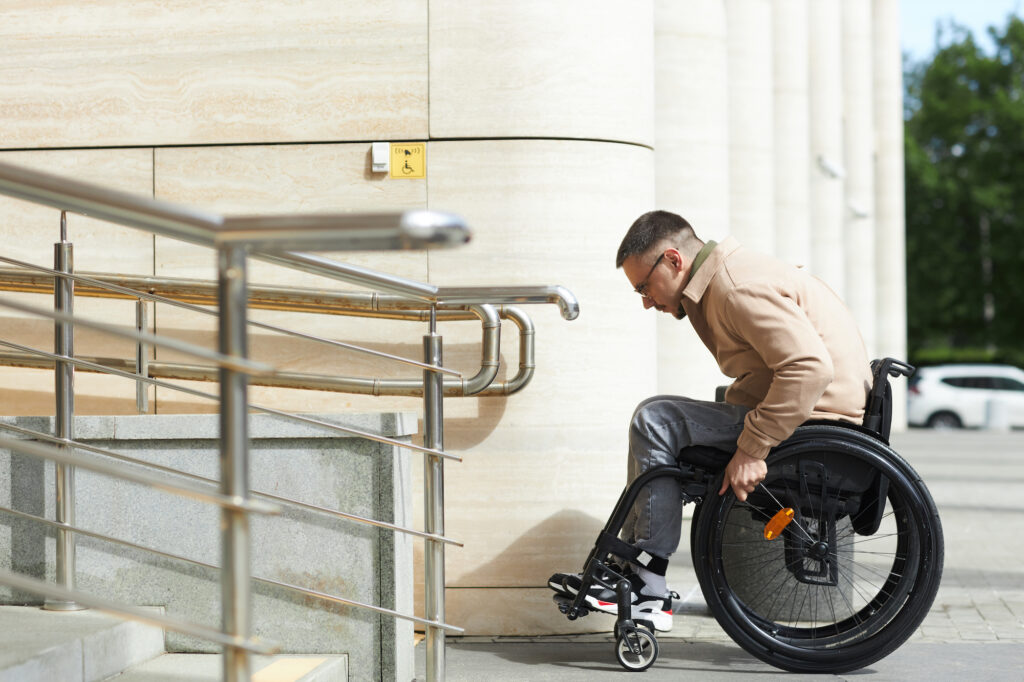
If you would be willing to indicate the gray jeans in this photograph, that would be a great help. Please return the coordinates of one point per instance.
(661, 428)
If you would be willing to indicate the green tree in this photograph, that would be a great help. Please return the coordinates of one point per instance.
(964, 149)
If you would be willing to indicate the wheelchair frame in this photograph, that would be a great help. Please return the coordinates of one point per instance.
(846, 467)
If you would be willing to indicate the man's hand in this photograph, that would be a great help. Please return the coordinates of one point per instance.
(743, 473)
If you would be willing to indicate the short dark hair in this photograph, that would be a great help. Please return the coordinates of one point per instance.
(650, 229)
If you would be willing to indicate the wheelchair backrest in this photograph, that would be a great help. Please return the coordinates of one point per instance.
(878, 410)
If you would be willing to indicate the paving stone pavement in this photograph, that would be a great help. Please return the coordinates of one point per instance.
(974, 630)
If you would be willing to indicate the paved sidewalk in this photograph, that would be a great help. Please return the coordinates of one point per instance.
(974, 631)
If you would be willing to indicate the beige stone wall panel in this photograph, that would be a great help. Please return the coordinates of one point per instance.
(109, 73)
(278, 179)
(540, 69)
(554, 212)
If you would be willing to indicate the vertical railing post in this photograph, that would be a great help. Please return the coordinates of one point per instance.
(63, 422)
(433, 494)
(234, 461)
(141, 359)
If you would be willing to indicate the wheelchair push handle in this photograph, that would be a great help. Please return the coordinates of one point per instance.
(877, 411)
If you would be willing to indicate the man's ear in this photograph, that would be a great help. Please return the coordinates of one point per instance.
(673, 256)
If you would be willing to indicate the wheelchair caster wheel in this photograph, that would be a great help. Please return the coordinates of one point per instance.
(646, 624)
(636, 650)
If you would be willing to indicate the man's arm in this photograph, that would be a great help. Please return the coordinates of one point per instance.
(778, 330)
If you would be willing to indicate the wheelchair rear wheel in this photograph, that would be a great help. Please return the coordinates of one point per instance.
(852, 575)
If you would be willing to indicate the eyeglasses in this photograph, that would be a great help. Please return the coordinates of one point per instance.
(642, 287)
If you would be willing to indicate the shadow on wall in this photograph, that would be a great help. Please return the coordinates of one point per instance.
(560, 542)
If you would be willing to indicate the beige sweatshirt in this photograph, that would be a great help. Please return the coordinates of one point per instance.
(788, 341)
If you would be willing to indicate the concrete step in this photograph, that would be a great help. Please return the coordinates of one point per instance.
(75, 646)
(207, 668)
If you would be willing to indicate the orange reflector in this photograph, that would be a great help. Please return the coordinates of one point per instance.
(778, 523)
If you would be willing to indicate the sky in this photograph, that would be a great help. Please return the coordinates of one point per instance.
(918, 17)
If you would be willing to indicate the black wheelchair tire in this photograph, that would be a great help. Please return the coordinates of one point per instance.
(885, 620)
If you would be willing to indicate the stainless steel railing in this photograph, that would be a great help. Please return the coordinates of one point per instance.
(192, 294)
(237, 239)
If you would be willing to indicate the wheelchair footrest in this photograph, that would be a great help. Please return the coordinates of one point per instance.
(564, 603)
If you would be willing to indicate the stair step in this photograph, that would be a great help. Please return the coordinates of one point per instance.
(71, 646)
(207, 668)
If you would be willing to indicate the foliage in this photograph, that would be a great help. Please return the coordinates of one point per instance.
(924, 357)
(964, 150)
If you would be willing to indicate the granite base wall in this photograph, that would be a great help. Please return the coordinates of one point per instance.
(310, 549)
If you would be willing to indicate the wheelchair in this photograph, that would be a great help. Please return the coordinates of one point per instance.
(829, 566)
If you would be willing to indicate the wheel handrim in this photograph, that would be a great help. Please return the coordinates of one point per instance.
(878, 573)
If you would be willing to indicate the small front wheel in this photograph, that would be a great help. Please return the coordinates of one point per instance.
(642, 640)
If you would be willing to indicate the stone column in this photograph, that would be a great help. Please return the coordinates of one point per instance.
(890, 227)
(691, 161)
(826, 129)
(858, 151)
(751, 129)
(792, 120)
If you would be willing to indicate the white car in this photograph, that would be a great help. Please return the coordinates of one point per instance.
(966, 396)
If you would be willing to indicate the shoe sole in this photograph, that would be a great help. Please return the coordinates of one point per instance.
(557, 585)
(660, 619)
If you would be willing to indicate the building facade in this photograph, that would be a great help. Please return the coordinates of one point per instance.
(548, 126)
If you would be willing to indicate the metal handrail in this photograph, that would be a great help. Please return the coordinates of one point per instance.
(266, 581)
(78, 445)
(87, 365)
(354, 274)
(178, 291)
(143, 288)
(272, 238)
(41, 451)
(408, 230)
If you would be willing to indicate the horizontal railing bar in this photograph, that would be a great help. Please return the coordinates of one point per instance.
(56, 592)
(364, 305)
(415, 229)
(360, 605)
(211, 396)
(57, 455)
(104, 369)
(355, 432)
(104, 537)
(176, 472)
(353, 274)
(137, 294)
(193, 294)
(236, 364)
(361, 519)
(345, 231)
(358, 349)
(196, 562)
(566, 301)
(158, 371)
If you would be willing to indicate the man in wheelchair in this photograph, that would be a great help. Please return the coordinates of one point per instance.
(794, 351)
